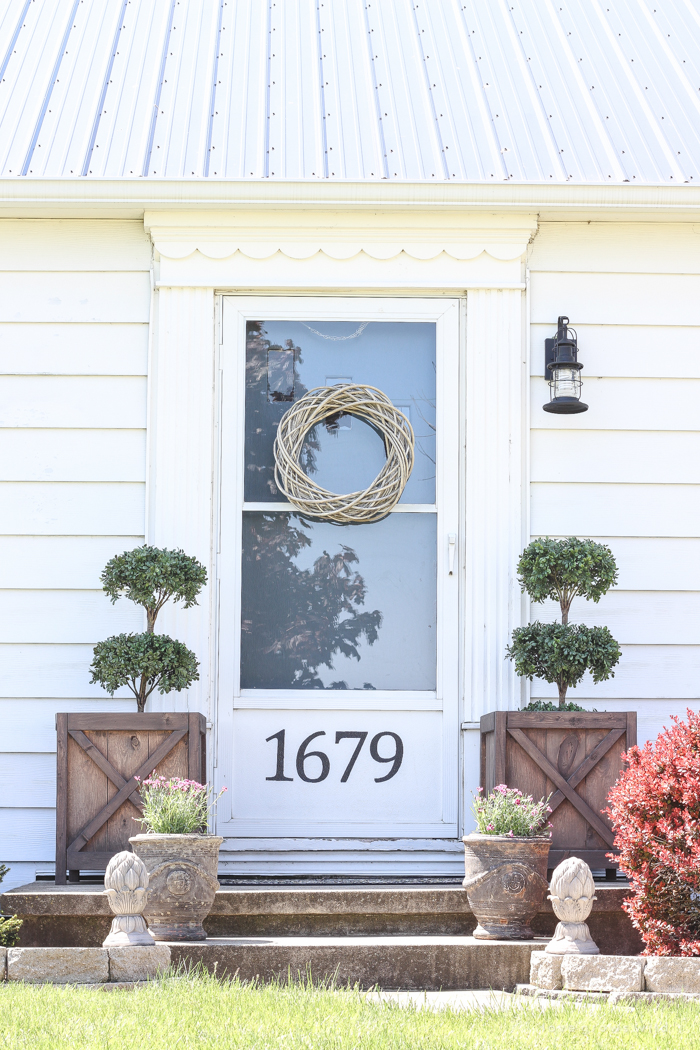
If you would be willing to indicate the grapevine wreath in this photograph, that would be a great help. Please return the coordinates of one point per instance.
(352, 508)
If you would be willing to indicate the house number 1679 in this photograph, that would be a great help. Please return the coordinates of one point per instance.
(303, 756)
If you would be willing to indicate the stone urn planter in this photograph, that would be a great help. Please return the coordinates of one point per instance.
(182, 873)
(506, 882)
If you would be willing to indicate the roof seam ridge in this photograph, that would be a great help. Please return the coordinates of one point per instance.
(431, 99)
(212, 96)
(13, 41)
(377, 105)
(324, 134)
(103, 93)
(159, 88)
(49, 91)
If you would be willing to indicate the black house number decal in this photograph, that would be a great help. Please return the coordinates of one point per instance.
(303, 755)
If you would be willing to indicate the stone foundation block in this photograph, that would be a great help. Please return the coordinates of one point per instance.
(3, 963)
(602, 973)
(58, 965)
(545, 970)
(137, 962)
(672, 975)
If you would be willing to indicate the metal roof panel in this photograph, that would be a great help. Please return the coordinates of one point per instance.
(418, 90)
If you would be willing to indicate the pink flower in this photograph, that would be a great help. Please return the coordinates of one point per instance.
(517, 801)
(489, 827)
(511, 834)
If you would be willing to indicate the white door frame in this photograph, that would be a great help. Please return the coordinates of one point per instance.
(182, 488)
(271, 834)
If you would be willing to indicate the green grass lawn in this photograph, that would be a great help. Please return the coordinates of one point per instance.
(184, 1012)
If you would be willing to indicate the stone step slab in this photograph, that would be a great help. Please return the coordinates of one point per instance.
(405, 963)
(58, 965)
(602, 973)
(662, 974)
(615, 974)
(92, 966)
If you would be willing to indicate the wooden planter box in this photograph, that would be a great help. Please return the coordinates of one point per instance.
(574, 756)
(98, 757)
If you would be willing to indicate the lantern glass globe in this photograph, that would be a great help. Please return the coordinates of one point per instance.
(565, 382)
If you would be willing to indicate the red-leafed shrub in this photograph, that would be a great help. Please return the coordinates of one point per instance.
(655, 811)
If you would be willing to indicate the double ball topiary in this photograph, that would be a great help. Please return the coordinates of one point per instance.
(561, 653)
(149, 576)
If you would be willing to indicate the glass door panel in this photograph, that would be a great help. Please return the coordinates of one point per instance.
(286, 359)
(338, 607)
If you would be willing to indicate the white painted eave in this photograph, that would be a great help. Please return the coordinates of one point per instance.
(131, 197)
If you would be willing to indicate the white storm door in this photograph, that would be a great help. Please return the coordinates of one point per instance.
(338, 707)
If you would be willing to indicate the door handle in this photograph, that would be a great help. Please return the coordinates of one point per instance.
(451, 547)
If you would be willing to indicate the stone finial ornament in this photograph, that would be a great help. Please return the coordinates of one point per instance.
(126, 886)
(572, 892)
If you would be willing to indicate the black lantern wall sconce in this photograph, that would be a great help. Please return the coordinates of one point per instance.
(563, 370)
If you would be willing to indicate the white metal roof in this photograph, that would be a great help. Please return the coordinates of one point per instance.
(592, 91)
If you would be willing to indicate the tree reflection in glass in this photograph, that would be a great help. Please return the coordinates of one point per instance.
(266, 400)
(296, 620)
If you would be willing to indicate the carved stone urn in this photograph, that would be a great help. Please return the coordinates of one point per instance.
(182, 873)
(506, 882)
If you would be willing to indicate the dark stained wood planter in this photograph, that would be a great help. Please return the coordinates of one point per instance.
(98, 757)
(576, 757)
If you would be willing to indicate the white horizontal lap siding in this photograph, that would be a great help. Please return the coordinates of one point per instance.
(626, 472)
(74, 314)
(19, 769)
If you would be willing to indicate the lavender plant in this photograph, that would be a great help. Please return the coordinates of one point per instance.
(176, 806)
(507, 811)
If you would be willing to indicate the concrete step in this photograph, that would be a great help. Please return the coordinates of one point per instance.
(78, 914)
(405, 963)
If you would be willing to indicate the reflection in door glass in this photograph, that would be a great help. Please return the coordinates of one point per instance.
(286, 359)
(280, 374)
(338, 607)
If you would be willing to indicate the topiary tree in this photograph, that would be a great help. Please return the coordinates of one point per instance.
(561, 569)
(655, 813)
(149, 576)
(561, 652)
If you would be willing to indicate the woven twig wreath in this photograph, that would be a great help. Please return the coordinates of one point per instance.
(353, 508)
